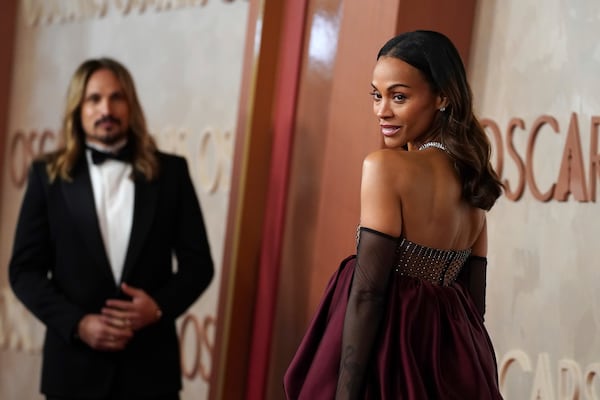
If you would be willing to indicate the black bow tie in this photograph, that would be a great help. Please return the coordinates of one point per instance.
(123, 154)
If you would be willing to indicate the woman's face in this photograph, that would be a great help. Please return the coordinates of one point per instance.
(403, 102)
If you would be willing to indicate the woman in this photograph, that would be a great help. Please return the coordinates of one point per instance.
(403, 319)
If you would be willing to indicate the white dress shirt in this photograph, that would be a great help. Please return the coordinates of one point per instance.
(113, 194)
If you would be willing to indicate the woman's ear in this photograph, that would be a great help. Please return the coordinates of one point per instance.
(442, 103)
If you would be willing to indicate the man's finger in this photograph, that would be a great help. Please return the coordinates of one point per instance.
(131, 291)
(123, 305)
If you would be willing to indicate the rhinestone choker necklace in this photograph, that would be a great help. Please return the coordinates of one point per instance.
(432, 144)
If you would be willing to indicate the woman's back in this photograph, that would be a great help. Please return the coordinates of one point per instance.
(425, 191)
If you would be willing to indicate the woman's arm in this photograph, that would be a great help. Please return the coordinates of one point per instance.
(376, 254)
(473, 273)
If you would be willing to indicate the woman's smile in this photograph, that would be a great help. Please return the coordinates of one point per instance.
(389, 130)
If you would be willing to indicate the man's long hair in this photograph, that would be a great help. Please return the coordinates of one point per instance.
(144, 159)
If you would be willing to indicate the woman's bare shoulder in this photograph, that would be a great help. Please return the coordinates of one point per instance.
(396, 165)
(380, 197)
(384, 158)
(386, 155)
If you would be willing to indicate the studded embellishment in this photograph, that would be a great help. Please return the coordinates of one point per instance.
(440, 267)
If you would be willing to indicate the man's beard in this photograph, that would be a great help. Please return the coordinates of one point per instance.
(111, 139)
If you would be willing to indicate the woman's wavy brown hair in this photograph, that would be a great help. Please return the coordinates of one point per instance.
(457, 128)
(144, 161)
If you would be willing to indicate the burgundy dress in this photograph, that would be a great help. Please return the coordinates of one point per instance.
(431, 344)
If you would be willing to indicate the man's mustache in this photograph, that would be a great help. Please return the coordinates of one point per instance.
(108, 118)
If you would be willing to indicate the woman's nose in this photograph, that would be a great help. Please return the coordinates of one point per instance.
(382, 109)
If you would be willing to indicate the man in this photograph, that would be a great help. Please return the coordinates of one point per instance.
(93, 254)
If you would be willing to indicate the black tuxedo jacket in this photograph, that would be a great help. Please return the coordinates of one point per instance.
(60, 271)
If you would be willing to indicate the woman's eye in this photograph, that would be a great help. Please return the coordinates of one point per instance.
(399, 97)
(375, 95)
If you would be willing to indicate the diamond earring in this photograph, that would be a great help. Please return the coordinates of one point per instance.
(443, 109)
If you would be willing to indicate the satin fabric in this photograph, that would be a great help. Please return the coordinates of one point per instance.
(432, 344)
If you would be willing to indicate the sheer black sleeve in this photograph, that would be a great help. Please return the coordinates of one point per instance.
(472, 276)
(376, 254)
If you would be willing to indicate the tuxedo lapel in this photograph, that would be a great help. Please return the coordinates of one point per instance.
(79, 197)
(145, 203)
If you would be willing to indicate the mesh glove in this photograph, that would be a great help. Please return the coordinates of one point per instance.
(472, 276)
(376, 255)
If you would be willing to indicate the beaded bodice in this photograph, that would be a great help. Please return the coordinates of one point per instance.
(440, 267)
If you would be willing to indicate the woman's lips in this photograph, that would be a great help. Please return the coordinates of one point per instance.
(389, 130)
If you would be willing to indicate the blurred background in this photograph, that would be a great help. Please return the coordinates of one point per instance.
(268, 101)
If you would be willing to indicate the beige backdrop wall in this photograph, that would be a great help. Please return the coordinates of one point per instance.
(186, 58)
(535, 59)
